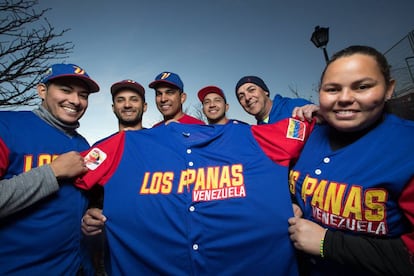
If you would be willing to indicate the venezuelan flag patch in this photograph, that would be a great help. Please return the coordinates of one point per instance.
(296, 129)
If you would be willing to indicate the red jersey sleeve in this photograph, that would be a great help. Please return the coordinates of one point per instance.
(406, 203)
(101, 160)
(4, 158)
(283, 141)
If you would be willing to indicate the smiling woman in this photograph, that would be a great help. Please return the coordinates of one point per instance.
(354, 179)
(354, 91)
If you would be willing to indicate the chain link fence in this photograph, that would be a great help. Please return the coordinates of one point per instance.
(401, 58)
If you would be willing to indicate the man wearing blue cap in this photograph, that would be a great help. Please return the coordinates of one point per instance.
(254, 97)
(170, 97)
(40, 209)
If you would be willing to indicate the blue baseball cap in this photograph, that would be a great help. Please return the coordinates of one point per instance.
(62, 70)
(168, 78)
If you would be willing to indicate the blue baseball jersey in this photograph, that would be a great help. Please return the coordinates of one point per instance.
(357, 189)
(43, 239)
(282, 108)
(198, 200)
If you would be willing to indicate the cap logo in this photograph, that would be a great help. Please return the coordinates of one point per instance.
(165, 75)
(79, 70)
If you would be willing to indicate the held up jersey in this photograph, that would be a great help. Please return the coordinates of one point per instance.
(360, 188)
(43, 239)
(198, 199)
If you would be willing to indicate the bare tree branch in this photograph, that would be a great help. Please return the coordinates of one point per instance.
(28, 44)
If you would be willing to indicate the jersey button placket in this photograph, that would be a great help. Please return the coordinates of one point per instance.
(190, 163)
(192, 208)
(326, 160)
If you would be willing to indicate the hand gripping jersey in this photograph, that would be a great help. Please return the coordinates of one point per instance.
(198, 199)
(359, 188)
(282, 108)
(44, 238)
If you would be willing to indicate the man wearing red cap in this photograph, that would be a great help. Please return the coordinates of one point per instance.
(214, 105)
(128, 104)
(170, 97)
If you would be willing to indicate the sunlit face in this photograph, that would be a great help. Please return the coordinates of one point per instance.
(215, 108)
(254, 100)
(353, 93)
(169, 101)
(66, 99)
(128, 107)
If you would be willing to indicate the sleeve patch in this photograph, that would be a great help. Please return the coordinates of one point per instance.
(296, 130)
(94, 158)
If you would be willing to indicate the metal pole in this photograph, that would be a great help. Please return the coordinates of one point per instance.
(325, 53)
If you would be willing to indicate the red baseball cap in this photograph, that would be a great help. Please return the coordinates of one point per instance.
(131, 84)
(210, 89)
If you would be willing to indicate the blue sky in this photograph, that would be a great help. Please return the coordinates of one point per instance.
(215, 42)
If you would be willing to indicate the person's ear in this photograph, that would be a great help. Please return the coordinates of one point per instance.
(390, 90)
(183, 97)
(41, 90)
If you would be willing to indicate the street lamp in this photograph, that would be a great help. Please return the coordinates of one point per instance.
(320, 38)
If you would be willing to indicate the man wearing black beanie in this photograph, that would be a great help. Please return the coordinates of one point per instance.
(254, 96)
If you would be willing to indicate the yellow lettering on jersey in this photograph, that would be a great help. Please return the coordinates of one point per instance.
(309, 185)
(319, 194)
(225, 180)
(353, 203)
(237, 175)
(293, 178)
(212, 177)
(229, 176)
(334, 197)
(187, 178)
(200, 183)
(28, 163)
(375, 202)
(155, 183)
(167, 182)
(144, 186)
(159, 182)
(44, 159)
